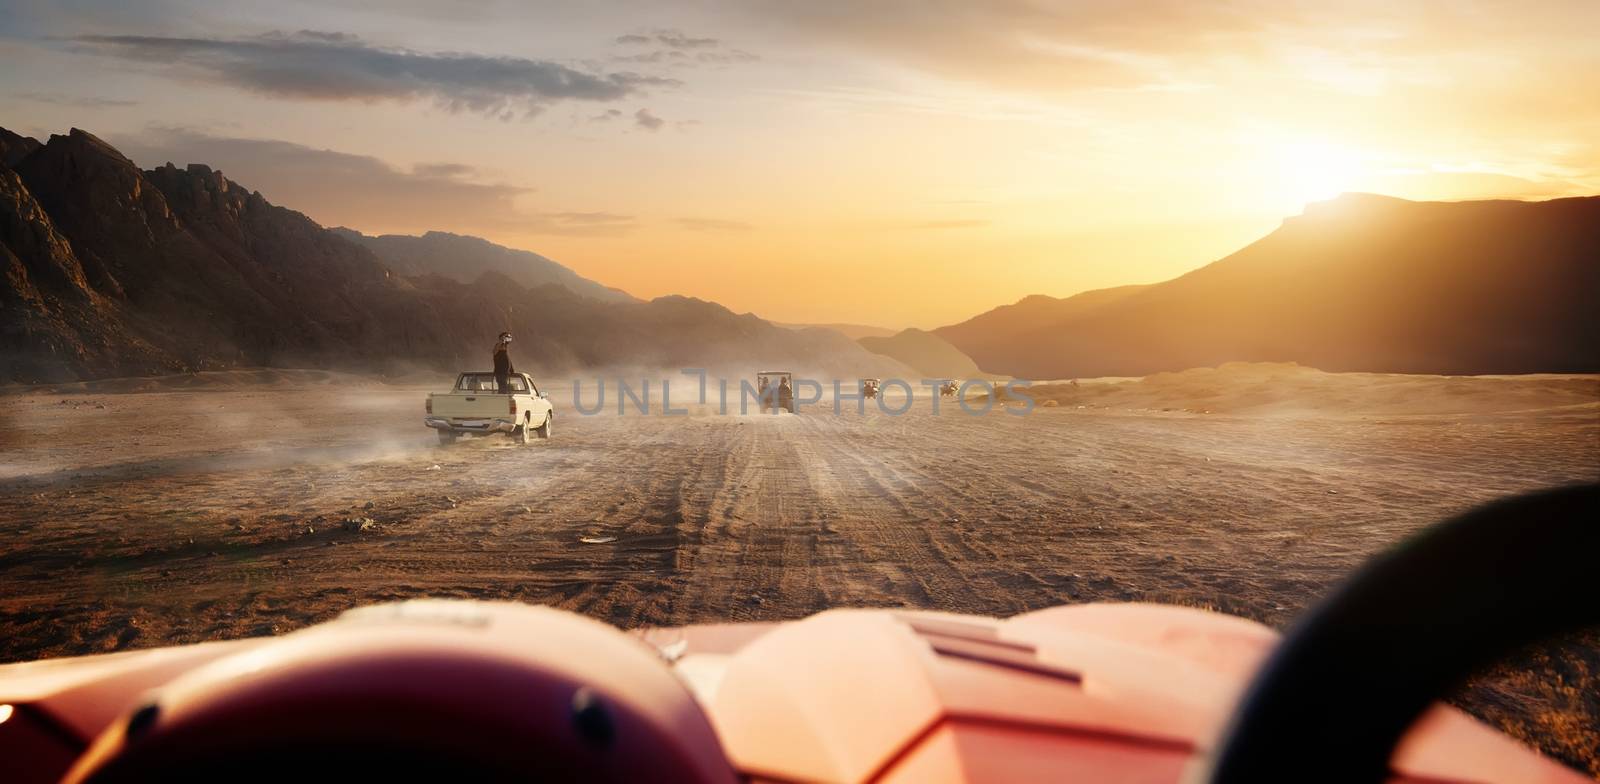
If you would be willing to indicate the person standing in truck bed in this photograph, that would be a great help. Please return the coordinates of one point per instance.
(502, 362)
(785, 396)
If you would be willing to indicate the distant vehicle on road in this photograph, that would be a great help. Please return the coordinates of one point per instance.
(869, 387)
(950, 388)
(776, 388)
(476, 407)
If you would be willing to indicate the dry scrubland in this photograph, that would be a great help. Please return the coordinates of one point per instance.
(155, 512)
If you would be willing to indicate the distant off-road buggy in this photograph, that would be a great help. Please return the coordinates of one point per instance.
(775, 389)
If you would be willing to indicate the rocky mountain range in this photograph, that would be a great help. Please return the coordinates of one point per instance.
(113, 270)
(1358, 283)
(465, 258)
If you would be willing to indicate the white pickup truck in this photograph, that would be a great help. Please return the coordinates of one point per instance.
(475, 406)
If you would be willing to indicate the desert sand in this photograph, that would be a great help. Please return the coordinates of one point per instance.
(151, 512)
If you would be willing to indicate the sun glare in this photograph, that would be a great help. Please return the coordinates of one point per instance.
(1315, 171)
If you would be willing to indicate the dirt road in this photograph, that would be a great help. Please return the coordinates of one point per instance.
(154, 518)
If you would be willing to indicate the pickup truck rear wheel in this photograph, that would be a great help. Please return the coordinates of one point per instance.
(521, 434)
(446, 437)
(544, 430)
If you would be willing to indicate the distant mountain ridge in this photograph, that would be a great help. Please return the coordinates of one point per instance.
(852, 331)
(464, 258)
(925, 352)
(114, 271)
(1358, 283)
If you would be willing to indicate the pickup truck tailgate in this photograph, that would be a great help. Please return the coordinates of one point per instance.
(476, 405)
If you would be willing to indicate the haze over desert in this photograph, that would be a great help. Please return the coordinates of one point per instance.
(226, 507)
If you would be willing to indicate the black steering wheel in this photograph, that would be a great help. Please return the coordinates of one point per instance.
(1352, 675)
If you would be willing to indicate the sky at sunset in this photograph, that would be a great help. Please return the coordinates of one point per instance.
(887, 163)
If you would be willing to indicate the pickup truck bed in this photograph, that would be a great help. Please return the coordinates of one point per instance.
(476, 406)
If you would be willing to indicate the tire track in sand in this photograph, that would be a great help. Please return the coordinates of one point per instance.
(758, 528)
